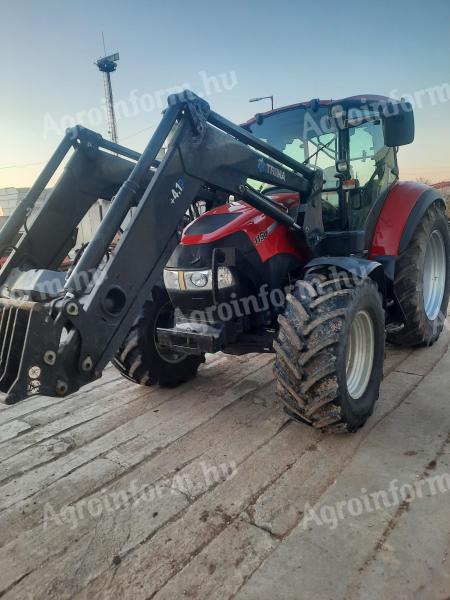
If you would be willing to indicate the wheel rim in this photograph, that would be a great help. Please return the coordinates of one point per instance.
(165, 318)
(360, 354)
(434, 274)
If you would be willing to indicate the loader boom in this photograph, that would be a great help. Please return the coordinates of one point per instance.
(58, 333)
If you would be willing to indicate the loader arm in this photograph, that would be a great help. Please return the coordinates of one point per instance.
(59, 331)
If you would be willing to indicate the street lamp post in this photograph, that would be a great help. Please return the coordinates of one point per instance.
(263, 98)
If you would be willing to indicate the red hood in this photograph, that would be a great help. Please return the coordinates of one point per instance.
(276, 238)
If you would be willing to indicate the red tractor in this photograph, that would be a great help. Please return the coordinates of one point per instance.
(310, 247)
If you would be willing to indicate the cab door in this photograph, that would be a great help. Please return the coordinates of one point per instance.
(373, 169)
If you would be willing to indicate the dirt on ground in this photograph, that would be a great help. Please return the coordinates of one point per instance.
(210, 491)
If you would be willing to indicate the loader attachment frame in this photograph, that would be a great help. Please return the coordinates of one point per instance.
(58, 331)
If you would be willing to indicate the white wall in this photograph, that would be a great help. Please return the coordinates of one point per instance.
(10, 197)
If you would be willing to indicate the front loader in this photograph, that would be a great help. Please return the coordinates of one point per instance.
(276, 226)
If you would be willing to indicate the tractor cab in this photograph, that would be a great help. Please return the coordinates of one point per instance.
(354, 142)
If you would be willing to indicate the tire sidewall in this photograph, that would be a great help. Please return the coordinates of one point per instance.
(418, 329)
(166, 372)
(434, 327)
(355, 412)
(139, 360)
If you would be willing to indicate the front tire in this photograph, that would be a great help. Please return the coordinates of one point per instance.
(330, 352)
(422, 281)
(142, 360)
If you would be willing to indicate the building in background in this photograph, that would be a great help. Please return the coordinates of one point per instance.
(444, 187)
(10, 198)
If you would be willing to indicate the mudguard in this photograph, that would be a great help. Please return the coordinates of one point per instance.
(403, 209)
(358, 267)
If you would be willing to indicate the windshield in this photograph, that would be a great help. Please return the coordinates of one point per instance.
(303, 135)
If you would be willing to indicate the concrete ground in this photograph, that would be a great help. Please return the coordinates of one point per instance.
(210, 491)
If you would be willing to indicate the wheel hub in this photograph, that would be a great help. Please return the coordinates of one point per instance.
(360, 354)
(434, 275)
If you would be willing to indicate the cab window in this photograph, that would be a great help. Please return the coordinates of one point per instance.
(303, 135)
(373, 165)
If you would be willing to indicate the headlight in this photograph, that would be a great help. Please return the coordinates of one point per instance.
(187, 280)
(197, 280)
(224, 277)
(171, 280)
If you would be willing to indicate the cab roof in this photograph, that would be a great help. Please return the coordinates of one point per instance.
(349, 102)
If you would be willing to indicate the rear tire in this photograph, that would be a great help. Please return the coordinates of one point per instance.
(422, 281)
(330, 352)
(142, 360)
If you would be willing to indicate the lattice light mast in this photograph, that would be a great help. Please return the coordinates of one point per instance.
(107, 65)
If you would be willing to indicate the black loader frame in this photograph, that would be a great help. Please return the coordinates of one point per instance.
(58, 331)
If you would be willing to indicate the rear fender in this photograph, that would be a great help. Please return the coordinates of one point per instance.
(420, 208)
(403, 209)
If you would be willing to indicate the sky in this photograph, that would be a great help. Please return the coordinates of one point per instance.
(295, 50)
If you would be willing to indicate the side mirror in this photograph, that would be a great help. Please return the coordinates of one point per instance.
(398, 124)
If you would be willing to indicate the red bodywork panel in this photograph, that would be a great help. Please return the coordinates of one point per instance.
(398, 205)
(267, 235)
(278, 239)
